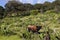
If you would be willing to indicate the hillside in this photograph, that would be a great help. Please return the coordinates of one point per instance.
(13, 28)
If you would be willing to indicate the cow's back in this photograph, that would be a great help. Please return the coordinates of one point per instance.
(32, 27)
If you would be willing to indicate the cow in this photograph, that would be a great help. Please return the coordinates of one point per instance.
(34, 28)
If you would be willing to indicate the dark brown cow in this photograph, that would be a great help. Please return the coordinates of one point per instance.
(34, 28)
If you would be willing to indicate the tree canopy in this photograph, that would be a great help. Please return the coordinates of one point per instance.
(24, 8)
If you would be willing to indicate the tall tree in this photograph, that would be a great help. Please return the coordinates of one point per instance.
(28, 6)
(47, 6)
(13, 5)
(39, 7)
(56, 5)
(1, 12)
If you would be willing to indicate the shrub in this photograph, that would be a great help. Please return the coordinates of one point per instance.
(34, 12)
(25, 13)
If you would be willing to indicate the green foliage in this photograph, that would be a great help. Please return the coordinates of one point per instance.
(19, 16)
(25, 13)
(10, 26)
(2, 10)
(34, 12)
(15, 7)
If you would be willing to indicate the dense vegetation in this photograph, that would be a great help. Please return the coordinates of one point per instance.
(22, 9)
(18, 26)
(16, 16)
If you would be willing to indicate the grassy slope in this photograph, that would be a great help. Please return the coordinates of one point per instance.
(13, 37)
(19, 25)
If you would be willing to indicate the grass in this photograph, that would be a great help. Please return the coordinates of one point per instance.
(19, 25)
(13, 37)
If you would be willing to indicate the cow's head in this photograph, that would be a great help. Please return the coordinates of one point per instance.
(38, 27)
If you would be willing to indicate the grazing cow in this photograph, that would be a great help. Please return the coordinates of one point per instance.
(34, 28)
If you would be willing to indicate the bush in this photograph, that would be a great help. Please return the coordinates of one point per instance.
(25, 13)
(50, 11)
(34, 12)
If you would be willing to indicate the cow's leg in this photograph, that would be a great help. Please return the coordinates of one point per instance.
(29, 29)
(38, 32)
(33, 31)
